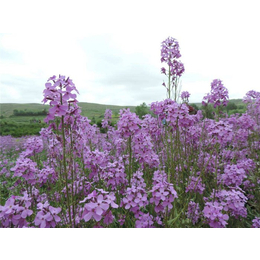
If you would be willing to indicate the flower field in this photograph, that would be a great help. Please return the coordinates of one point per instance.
(172, 168)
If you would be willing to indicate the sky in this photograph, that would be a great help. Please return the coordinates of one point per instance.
(111, 49)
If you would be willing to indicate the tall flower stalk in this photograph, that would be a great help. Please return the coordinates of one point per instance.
(169, 55)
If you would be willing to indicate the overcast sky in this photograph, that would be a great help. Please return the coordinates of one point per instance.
(111, 49)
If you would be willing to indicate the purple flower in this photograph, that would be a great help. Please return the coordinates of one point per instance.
(9, 206)
(43, 219)
(163, 71)
(163, 193)
(110, 199)
(54, 212)
(169, 54)
(98, 205)
(195, 185)
(256, 223)
(27, 212)
(193, 212)
(214, 215)
(218, 95)
(58, 110)
(233, 201)
(91, 214)
(233, 175)
(62, 101)
(144, 221)
(185, 96)
(128, 201)
(170, 50)
(107, 118)
(109, 218)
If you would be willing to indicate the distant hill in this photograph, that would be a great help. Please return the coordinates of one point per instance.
(6, 109)
(88, 109)
(238, 102)
(27, 119)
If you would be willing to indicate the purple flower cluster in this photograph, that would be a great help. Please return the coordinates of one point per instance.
(170, 50)
(169, 54)
(59, 94)
(173, 113)
(219, 132)
(195, 185)
(251, 96)
(193, 212)
(47, 216)
(135, 197)
(98, 206)
(143, 150)
(33, 146)
(107, 118)
(256, 223)
(144, 221)
(25, 168)
(218, 95)
(185, 96)
(213, 213)
(128, 124)
(15, 212)
(46, 174)
(163, 193)
(150, 126)
(233, 175)
(233, 202)
(114, 175)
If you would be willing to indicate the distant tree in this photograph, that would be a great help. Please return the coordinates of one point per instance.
(193, 109)
(231, 106)
(142, 110)
(93, 120)
(29, 113)
(194, 106)
(15, 112)
(208, 111)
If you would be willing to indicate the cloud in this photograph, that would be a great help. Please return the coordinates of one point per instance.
(20, 90)
(119, 78)
(111, 50)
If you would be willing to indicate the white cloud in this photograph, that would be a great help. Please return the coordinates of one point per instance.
(111, 49)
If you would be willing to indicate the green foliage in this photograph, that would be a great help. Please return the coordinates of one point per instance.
(231, 106)
(194, 106)
(207, 111)
(89, 110)
(20, 129)
(7, 109)
(142, 110)
(29, 113)
(19, 119)
(93, 120)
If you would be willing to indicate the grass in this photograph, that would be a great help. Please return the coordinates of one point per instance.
(89, 110)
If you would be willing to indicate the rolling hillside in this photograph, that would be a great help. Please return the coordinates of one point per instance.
(88, 109)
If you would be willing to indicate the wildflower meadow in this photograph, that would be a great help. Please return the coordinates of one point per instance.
(174, 168)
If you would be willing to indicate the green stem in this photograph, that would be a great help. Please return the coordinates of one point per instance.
(65, 167)
(130, 159)
(169, 83)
